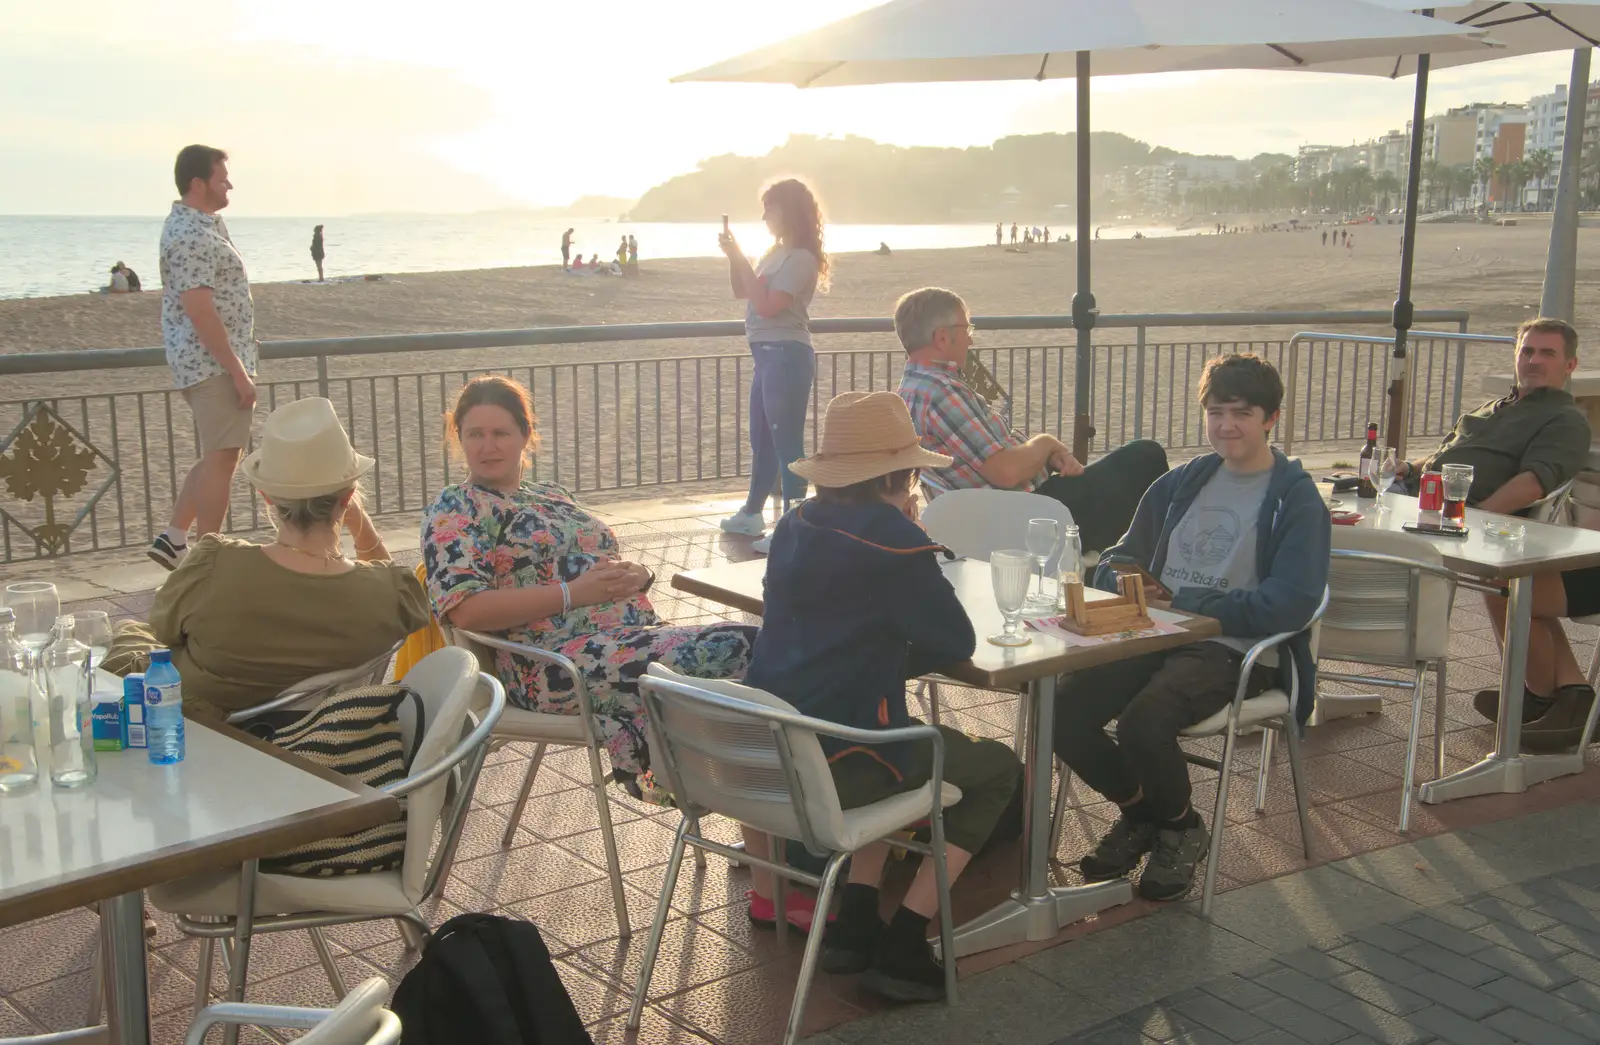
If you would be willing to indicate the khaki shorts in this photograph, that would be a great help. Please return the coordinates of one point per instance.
(218, 418)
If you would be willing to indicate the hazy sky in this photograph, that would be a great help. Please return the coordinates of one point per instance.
(341, 106)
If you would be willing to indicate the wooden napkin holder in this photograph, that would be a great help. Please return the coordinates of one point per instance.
(1128, 612)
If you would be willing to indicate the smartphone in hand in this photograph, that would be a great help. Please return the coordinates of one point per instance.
(725, 229)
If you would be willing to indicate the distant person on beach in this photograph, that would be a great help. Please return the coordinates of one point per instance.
(1013, 234)
(1097, 229)
(999, 235)
(566, 251)
(633, 250)
(935, 329)
(883, 249)
(576, 266)
(208, 327)
(120, 283)
(778, 291)
(1324, 237)
(1047, 235)
(317, 252)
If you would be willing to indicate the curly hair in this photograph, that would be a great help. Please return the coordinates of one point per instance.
(802, 219)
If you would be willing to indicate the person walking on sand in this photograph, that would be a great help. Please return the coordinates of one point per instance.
(317, 253)
(633, 250)
(566, 251)
(622, 251)
(208, 328)
(999, 235)
(1013, 234)
(1324, 237)
(778, 292)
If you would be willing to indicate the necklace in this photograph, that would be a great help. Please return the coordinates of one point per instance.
(327, 557)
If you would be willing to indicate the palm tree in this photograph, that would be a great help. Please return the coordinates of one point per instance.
(1461, 181)
(1386, 184)
(1433, 176)
(1484, 170)
(1539, 163)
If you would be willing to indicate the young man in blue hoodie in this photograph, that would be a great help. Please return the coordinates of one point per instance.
(1241, 535)
(856, 604)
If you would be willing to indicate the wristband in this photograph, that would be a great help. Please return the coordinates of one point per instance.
(566, 597)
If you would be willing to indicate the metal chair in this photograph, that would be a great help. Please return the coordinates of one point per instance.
(307, 692)
(743, 753)
(462, 706)
(360, 1019)
(545, 731)
(1594, 679)
(1391, 598)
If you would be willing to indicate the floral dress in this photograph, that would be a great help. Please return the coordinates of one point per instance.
(476, 539)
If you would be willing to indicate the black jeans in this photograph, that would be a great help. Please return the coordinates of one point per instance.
(1104, 498)
(1152, 697)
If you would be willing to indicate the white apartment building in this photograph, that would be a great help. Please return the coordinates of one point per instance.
(1547, 127)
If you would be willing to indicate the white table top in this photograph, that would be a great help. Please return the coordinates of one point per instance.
(139, 823)
(740, 585)
(1545, 548)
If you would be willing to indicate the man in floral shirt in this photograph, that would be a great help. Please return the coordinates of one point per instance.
(208, 327)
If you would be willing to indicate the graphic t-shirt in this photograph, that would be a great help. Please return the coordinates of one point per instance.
(1214, 546)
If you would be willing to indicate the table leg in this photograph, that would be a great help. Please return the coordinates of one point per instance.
(1036, 911)
(126, 981)
(1504, 770)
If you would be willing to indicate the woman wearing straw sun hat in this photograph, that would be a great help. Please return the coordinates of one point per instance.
(856, 604)
(243, 620)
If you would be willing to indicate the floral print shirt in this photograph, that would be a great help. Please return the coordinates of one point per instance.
(196, 251)
(477, 539)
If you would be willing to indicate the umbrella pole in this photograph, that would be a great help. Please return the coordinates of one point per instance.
(1083, 310)
(1403, 310)
(1561, 263)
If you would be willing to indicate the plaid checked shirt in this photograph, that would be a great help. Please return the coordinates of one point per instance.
(954, 420)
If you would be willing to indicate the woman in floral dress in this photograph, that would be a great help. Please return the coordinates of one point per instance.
(520, 558)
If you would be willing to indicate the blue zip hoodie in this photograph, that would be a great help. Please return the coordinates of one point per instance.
(1293, 537)
(855, 605)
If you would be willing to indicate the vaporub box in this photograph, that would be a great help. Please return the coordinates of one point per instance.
(133, 711)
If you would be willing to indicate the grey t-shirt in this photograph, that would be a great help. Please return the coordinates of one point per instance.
(1214, 546)
(792, 270)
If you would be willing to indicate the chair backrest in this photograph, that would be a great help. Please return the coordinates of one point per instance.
(1554, 507)
(730, 758)
(447, 682)
(1390, 598)
(976, 522)
(360, 1019)
(307, 692)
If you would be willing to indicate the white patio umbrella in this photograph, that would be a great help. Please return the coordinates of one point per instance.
(1520, 29)
(923, 41)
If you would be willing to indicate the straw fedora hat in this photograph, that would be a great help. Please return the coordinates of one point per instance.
(865, 435)
(304, 452)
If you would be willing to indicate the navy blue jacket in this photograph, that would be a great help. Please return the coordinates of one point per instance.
(1293, 536)
(855, 605)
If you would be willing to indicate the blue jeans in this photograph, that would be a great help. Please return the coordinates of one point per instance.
(779, 395)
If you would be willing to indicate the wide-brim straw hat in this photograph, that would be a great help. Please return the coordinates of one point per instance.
(865, 435)
(304, 452)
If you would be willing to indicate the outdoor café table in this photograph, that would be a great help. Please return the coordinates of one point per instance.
(232, 800)
(1035, 911)
(1543, 549)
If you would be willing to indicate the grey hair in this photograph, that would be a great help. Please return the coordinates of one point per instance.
(920, 313)
(307, 513)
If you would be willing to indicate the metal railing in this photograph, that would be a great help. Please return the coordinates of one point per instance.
(639, 421)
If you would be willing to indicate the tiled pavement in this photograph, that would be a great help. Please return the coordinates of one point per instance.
(721, 981)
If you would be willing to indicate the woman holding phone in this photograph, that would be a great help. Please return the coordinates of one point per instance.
(777, 292)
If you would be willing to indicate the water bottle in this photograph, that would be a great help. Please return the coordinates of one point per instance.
(1069, 568)
(163, 709)
(69, 692)
(19, 763)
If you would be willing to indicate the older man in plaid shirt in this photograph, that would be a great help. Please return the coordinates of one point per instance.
(954, 420)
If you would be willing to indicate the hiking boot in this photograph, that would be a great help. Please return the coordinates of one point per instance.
(849, 947)
(1561, 727)
(166, 554)
(1170, 873)
(752, 524)
(904, 969)
(1487, 704)
(1119, 852)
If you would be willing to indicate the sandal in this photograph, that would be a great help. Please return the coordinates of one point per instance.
(801, 910)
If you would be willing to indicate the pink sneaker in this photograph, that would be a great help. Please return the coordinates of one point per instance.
(802, 908)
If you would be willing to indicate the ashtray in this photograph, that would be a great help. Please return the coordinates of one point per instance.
(1504, 530)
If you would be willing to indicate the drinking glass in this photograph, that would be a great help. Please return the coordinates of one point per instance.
(93, 629)
(1012, 573)
(36, 605)
(1044, 536)
(1388, 464)
(1457, 484)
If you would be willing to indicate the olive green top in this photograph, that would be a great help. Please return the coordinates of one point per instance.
(242, 628)
(1542, 431)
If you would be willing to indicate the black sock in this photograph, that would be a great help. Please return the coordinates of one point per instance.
(908, 925)
(1138, 811)
(1189, 820)
(858, 903)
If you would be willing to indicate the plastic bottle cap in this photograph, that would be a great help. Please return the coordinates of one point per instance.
(161, 656)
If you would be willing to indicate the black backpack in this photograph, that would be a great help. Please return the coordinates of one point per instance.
(486, 980)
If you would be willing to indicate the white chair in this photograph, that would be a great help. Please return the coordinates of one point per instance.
(461, 706)
(1270, 712)
(360, 1019)
(743, 753)
(306, 692)
(546, 731)
(1390, 604)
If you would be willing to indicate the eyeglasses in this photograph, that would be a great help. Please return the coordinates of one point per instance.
(968, 327)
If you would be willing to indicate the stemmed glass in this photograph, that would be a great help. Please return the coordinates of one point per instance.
(93, 629)
(1388, 464)
(1044, 536)
(36, 605)
(1012, 573)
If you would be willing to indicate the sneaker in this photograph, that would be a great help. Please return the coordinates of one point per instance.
(850, 947)
(1561, 727)
(1487, 703)
(761, 545)
(752, 524)
(1170, 873)
(1120, 851)
(166, 554)
(905, 970)
(800, 910)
